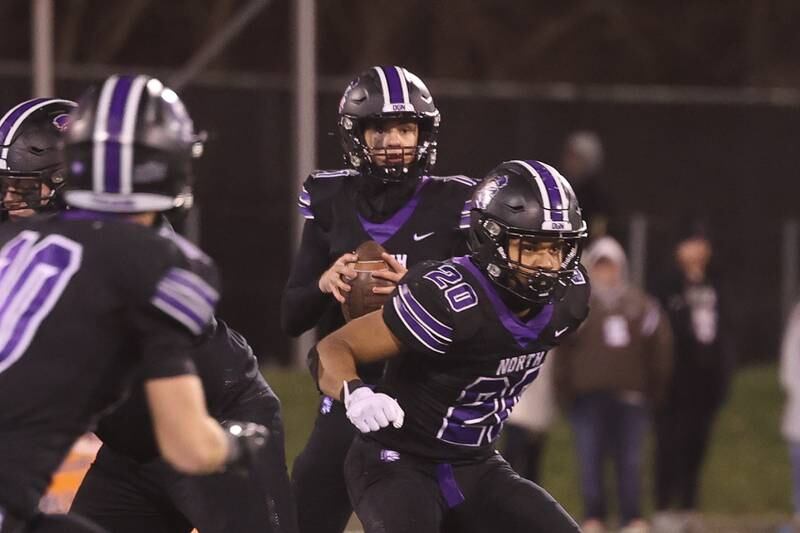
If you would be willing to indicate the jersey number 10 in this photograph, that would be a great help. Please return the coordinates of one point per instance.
(32, 278)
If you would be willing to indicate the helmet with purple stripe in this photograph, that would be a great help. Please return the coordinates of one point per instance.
(31, 165)
(129, 148)
(384, 93)
(531, 203)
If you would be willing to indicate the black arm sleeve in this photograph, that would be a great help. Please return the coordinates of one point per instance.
(303, 304)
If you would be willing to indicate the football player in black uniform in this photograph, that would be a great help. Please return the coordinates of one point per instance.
(31, 168)
(388, 125)
(92, 296)
(463, 338)
(127, 489)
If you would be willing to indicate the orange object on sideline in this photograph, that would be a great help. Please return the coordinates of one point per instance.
(70, 474)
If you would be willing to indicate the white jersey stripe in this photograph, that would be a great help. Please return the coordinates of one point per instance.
(190, 322)
(411, 329)
(441, 338)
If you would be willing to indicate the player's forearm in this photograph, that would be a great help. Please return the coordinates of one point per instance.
(337, 364)
(202, 450)
(188, 438)
(302, 307)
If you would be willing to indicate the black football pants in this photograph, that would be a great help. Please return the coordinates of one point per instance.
(128, 497)
(318, 472)
(48, 523)
(396, 493)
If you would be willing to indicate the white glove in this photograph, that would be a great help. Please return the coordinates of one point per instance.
(370, 411)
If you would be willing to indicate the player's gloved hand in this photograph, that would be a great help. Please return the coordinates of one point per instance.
(371, 411)
(245, 440)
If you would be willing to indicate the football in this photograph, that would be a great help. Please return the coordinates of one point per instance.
(361, 300)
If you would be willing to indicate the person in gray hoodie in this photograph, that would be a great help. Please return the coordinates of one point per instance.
(608, 377)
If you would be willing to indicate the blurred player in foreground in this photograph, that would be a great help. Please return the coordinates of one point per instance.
(90, 297)
(32, 175)
(463, 338)
(388, 125)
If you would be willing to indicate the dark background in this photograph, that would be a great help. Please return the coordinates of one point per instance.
(730, 158)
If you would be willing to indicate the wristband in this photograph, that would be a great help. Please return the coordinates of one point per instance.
(350, 387)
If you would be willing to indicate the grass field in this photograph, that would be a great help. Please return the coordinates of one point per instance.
(746, 473)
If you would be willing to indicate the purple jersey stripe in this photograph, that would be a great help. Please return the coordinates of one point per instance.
(306, 212)
(552, 188)
(36, 299)
(13, 115)
(423, 316)
(195, 283)
(188, 297)
(448, 485)
(179, 312)
(383, 231)
(393, 81)
(422, 335)
(116, 117)
(524, 332)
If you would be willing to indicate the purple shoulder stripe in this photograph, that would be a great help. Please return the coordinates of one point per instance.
(423, 335)
(425, 318)
(187, 298)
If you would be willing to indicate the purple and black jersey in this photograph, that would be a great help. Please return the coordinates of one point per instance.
(430, 225)
(229, 370)
(468, 358)
(86, 302)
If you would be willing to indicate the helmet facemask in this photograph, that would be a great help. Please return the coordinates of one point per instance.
(31, 164)
(390, 164)
(35, 190)
(506, 268)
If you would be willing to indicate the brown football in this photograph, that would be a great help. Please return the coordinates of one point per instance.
(361, 300)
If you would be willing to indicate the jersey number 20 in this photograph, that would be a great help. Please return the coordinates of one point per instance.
(32, 278)
(482, 407)
(460, 295)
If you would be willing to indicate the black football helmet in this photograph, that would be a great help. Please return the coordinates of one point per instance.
(382, 93)
(531, 201)
(129, 148)
(30, 159)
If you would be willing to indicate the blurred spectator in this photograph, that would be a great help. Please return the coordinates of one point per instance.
(790, 381)
(582, 163)
(608, 376)
(526, 430)
(700, 379)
